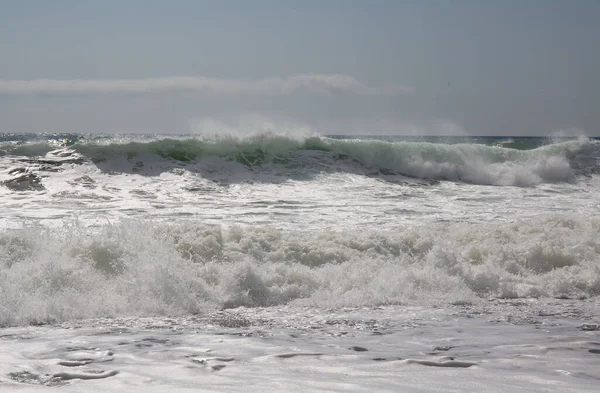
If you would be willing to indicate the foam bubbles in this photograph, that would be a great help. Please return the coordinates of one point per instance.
(145, 268)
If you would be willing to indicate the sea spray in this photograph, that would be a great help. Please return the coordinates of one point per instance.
(152, 268)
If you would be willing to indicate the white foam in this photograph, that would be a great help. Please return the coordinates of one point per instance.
(471, 163)
(144, 268)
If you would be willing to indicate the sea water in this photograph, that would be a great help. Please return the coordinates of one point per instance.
(299, 263)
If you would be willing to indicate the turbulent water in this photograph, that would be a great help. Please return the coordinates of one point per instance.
(101, 226)
(104, 226)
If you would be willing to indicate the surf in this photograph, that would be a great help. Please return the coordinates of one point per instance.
(473, 163)
(140, 267)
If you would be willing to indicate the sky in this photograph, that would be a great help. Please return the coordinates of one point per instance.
(479, 67)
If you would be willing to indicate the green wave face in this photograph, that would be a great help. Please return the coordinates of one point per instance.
(487, 161)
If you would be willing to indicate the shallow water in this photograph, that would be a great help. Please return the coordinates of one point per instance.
(500, 346)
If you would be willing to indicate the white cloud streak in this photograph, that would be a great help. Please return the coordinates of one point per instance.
(314, 83)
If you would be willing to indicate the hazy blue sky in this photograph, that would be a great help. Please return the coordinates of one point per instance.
(486, 67)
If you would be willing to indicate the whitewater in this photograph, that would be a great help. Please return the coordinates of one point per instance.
(299, 263)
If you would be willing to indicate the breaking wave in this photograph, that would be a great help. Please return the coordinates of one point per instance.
(476, 163)
(139, 268)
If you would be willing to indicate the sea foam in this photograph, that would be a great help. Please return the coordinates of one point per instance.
(140, 268)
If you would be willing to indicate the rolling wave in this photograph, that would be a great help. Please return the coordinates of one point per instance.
(498, 163)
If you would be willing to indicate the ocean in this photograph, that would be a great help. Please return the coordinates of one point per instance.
(286, 262)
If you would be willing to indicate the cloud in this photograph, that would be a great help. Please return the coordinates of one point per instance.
(315, 83)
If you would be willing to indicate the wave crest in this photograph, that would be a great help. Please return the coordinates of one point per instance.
(269, 153)
(470, 163)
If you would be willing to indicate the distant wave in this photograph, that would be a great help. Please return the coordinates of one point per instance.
(476, 163)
